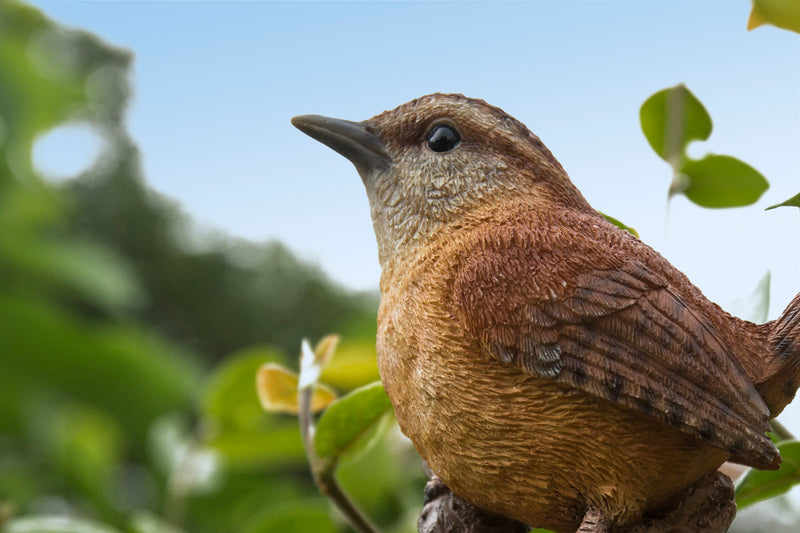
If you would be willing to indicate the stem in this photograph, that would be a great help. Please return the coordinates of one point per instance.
(780, 431)
(329, 486)
(323, 471)
(674, 133)
(307, 423)
(672, 139)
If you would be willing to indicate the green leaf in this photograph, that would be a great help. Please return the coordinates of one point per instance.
(350, 421)
(721, 181)
(277, 391)
(620, 225)
(325, 349)
(354, 365)
(781, 13)
(671, 119)
(794, 201)
(758, 485)
(55, 524)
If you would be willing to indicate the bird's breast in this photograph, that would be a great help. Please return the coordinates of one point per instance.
(526, 447)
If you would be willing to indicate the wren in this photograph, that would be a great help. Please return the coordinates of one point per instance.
(547, 365)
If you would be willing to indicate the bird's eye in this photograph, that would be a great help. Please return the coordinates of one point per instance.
(443, 138)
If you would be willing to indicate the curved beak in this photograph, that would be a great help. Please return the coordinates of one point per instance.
(351, 139)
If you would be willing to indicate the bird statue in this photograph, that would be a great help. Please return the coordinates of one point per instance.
(548, 366)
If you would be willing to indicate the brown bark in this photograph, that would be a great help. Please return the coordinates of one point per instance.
(707, 507)
(444, 512)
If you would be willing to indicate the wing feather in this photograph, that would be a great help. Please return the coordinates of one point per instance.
(620, 332)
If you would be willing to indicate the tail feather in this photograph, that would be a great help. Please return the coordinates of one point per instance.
(785, 338)
(780, 387)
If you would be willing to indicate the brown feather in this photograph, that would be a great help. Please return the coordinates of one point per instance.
(627, 333)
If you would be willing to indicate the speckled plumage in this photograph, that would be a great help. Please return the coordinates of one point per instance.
(543, 361)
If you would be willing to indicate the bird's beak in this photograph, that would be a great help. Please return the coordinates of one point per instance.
(351, 139)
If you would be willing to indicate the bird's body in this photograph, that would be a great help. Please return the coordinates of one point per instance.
(543, 361)
(524, 446)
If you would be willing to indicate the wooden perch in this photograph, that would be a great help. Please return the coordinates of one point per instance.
(707, 507)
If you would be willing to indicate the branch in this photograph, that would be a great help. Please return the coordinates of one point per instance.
(444, 512)
(707, 507)
(323, 471)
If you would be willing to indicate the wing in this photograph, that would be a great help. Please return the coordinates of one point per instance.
(594, 315)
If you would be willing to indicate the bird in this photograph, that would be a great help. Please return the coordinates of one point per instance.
(547, 365)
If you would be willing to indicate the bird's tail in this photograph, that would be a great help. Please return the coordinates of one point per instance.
(783, 342)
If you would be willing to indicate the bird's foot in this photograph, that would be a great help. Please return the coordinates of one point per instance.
(593, 522)
(707, 507)
(445, 512)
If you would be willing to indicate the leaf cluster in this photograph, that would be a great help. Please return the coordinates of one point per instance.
(671, 119)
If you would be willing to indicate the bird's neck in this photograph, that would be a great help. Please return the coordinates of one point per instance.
(408, 251)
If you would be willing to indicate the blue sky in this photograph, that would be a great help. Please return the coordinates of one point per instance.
(215, 84)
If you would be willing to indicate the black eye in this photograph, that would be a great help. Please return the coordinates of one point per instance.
(443, 138)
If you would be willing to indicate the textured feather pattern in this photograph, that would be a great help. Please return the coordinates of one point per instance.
(785, 339)
(780, 369)
(617, 330)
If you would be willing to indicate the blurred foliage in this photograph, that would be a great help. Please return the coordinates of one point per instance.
(218, 294)
(130, 340)
(671, 119)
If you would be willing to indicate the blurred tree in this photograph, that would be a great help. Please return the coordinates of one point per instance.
(220, 294)
(110, 307)
(47, 345)
(77, 395)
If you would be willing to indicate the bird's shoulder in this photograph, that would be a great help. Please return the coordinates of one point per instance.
(541, 257)
(570, 297)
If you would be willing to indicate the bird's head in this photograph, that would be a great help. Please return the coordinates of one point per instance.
(431, 162)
